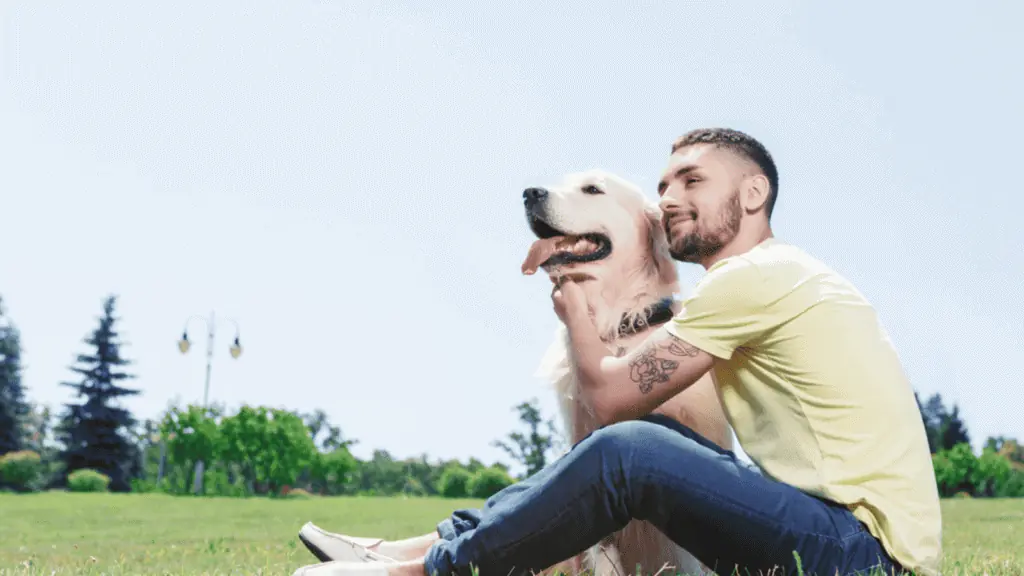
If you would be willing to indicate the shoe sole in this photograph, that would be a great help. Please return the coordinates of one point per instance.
(320, 554)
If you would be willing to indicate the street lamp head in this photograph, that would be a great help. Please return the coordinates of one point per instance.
(184, 344)
(236, 349)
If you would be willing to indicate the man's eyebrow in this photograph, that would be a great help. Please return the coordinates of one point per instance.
(681, 171)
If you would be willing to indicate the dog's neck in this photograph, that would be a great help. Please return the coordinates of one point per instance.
(654, 315)
(630, 311)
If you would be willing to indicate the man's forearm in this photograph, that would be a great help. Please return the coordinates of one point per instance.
(589, 350)
(634, 385)
(591, 357)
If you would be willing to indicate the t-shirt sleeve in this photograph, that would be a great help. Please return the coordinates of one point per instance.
(728, 308)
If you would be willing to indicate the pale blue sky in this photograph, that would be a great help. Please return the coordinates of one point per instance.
(345, 181)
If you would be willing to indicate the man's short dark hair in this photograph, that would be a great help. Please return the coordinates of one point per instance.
(739, 143)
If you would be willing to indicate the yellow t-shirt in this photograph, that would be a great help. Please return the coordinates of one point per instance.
(816, 394)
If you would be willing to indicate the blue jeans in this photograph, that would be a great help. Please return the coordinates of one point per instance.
(722, 511)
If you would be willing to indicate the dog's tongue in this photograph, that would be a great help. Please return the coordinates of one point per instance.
(540, 251)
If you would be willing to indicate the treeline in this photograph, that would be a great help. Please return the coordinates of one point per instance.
(997, 472)
(96, 444)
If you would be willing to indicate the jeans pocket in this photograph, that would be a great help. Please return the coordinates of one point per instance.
(847, 525)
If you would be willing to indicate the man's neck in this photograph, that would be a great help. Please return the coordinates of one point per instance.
(743, 242)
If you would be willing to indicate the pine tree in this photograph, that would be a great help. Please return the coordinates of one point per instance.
(13, 408)
(95, 433)
(953, 430)
(934, 414)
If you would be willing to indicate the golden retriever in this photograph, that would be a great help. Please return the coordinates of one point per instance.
(602, 231)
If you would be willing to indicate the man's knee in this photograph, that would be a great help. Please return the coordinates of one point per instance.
(638, 445)
(631, 436)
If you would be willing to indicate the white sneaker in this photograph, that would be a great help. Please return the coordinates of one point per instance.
(342, 569)
(330, 547)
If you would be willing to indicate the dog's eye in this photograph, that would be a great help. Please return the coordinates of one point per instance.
(591, 189)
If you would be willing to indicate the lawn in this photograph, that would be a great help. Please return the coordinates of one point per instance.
(62, 533)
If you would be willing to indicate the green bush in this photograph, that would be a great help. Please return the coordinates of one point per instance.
(955, 469)
(88, 480)
(959, 473)
(216, 482)
(331, 472)
(991, 472)
(1013, 486)
(21, 470)
(488, 482)
(454, 482)
(143, 486)
(239, 489)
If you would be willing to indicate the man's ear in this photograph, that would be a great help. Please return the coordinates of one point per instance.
(657, 247)
(755, 192)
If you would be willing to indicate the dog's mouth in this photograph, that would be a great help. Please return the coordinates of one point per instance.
(556, 248)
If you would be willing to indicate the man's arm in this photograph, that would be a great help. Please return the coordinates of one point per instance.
(634, 385)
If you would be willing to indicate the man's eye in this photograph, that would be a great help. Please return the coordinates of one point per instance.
(591, 189)
(692, 180)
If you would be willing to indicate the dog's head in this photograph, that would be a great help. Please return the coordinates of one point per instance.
(600, 230)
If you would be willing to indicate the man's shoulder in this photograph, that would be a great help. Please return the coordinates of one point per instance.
(771, 272)
(772, 258)
(775, 252)
(776, 261)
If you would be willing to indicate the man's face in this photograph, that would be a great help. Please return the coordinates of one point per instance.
(700, 200)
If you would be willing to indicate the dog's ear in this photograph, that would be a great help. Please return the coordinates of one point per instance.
(657, 246)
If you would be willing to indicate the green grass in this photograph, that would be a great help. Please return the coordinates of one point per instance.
(111, 534)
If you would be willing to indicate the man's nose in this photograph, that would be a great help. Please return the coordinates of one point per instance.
(668, 203)
(532, 196)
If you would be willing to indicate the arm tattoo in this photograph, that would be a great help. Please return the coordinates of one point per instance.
(679, 347)
(648, 368)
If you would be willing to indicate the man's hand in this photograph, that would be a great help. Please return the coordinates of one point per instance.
(570, 302)
(634, 385)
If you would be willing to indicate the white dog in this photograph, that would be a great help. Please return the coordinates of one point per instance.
(603, 232)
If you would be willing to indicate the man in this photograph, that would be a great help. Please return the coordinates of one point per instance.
(807, 375)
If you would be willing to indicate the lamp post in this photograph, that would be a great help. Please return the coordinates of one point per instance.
(184, 345)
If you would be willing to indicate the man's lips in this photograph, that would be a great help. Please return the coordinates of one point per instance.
(680, 220)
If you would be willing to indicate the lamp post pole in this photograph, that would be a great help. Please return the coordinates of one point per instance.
(183, 345)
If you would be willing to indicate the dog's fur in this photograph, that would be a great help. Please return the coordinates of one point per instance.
(636, 274)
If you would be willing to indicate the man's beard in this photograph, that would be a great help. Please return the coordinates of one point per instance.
(701, 243)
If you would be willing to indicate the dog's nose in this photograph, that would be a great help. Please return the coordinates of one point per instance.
(534, 195)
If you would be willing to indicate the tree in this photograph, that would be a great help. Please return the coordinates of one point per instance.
(13, 408)
(530, 449)
(271, 446)
(39, 439)
(933, 413)
(318, 422)
(146, 438)
(331, 471)
(94, 433)
(992, 473)
(381, 475)
(953, 431)
(192, 435)
(944, 428)
(38, 428)
(1008, 448)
